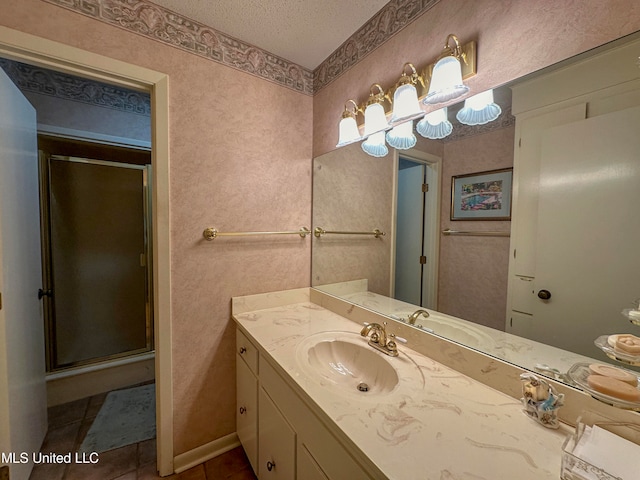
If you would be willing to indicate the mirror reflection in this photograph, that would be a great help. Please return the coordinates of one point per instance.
(534, 290)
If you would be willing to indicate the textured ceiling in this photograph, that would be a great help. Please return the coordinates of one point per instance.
(304, 32)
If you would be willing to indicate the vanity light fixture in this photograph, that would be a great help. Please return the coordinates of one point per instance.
(349, 132)
(435, 125)
(375, 146)
(405, 98)
(446, 80)
(375, 123)
(479, 109)
(401, 136)
(406, 108)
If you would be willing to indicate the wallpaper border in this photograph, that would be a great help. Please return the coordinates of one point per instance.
(29, 78)
(390, 20)
(157, 23)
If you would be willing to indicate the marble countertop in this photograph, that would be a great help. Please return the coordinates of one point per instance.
(437, 424)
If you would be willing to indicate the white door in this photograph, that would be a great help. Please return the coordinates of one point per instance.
(588, 260)
(23, 402)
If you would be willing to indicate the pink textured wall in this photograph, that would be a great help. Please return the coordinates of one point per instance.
(514, 38)
(353, 192)
(240, 159)
(473, 271)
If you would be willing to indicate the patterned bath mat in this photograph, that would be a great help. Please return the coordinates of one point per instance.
(126, 417)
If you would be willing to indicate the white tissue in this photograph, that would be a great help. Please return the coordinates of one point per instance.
(613, 454)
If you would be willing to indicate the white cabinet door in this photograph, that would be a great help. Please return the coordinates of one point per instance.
(277, 442)
(588, 230)
(307, 467)
(247, 411)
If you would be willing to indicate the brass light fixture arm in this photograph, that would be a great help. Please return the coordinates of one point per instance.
(351, 113)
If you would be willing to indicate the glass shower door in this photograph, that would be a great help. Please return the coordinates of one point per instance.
(98, 232)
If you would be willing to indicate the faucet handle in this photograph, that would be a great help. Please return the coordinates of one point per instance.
(398, 339)
(393, 336)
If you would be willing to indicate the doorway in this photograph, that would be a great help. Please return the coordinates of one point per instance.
(416, 230)
(35, 50)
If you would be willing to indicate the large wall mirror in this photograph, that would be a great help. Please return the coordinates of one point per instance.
(484, 280)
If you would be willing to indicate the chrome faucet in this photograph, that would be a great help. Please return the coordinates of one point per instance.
(379, 338)
(414, 316)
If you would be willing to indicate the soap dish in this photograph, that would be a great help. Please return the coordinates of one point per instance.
(632, 314)
(602, 342)
(579, 373)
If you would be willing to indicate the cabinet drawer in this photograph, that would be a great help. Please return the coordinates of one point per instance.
(247, 351)
(247, 412)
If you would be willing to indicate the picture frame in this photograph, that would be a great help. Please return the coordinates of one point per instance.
(482, 195)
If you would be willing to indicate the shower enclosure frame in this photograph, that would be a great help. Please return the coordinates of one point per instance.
(146, 260)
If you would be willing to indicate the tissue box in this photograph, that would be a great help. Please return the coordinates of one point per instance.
(573, 467)
(619, 436)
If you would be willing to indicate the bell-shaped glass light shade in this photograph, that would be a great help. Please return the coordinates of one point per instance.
(479, 109)
(374, 119)
(405, 103)
(349, 132)
(401, 136)
(435, 125)
(374, 145)
(446, 81)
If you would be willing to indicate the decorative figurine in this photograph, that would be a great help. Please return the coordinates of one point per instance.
(541, 400)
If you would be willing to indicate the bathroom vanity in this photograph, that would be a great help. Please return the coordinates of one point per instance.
(301, 413)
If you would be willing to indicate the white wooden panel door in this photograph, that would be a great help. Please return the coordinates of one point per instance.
(23, 414)
(588, 230)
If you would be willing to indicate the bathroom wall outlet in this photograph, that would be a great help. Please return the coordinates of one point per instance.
(4, 472)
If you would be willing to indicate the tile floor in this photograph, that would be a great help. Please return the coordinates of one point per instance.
(69, 423)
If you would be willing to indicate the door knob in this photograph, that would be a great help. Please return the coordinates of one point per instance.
(544, 294)
(44, 293)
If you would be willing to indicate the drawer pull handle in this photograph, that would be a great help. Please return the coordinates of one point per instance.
(242, 410)
(243, 350)
(271, 466)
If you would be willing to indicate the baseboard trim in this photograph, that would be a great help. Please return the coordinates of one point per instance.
(205, 452)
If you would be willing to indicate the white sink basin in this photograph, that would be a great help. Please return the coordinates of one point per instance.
(457, 330)
(344, 361)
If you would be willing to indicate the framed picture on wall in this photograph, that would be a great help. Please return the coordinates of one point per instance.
(482, 195)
